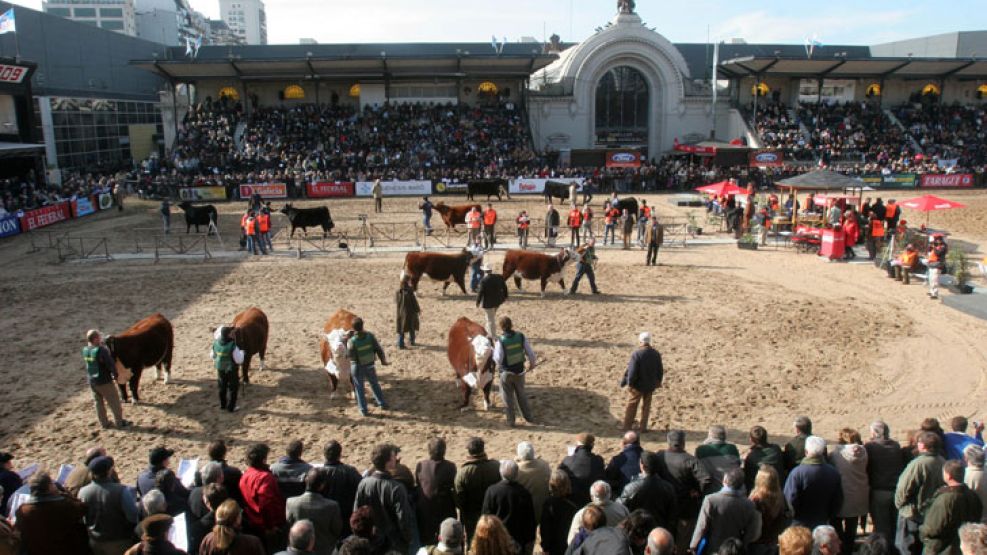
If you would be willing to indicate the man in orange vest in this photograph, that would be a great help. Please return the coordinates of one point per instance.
(489, 223)
(264, 228)
(473, 224)
(936, 261)
(523, 222)
(610, 215)
(250, 229)
(875, 236)
(906, 262)
(891, 214)
(575, 220)
(243, 229)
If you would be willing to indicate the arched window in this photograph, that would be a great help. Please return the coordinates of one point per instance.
(229, 92)
(355, 91)
(487, 87)
(294, 92)
(622, 107)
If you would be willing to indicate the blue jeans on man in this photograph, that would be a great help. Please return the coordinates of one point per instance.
(255, 241)
(266, 239)
(609, 229)
(427, 222)
(362, 373)
(584, 270)
(476, 275)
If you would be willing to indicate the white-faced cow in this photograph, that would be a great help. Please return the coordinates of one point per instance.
(440, 267)
(149, 342)
(203, 214)
(249, 332)
(535, 266)
(308, 217)
(454, 215)
(335, 356)
(470, 353)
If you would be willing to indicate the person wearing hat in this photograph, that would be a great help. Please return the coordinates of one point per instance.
(378, 193)
(491, 293)
(160, 460)
(476, 274)
(451, 539)
(585, 260)
(111, 511)
(936, 261)
(408, 312)
(642, 377)
(155, 538)
(101, 373)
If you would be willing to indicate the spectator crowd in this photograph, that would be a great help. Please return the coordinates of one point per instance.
(872, 496)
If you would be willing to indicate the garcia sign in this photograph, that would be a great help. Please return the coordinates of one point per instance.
(947, 180)
(9, 226)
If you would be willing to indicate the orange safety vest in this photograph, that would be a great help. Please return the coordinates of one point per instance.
(473, 220)
(587, 215)
(876, 228)
(523, 224)
(908, 258)
(243, 221)
(612, 214)
(575, 218)
(890, 210)
(490, 217)
(251, 226)
(647, 212)
(265, 223)
(933, 255)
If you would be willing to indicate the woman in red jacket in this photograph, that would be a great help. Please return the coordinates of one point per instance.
(851, 232)
(264, 507)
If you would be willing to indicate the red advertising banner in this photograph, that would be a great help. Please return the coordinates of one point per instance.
(767, 159)
(46, 215)
(265, 190)
(324, 189)
(695, 149)
(623, 159)
(947, 180)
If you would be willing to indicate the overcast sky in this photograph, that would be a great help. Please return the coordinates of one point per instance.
(832, 22)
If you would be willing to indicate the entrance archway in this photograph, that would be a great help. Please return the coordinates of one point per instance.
(622, 108)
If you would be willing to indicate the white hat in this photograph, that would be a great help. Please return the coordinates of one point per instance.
(644, 338)
(485, 268)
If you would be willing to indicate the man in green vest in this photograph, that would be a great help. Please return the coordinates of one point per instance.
(363, 351)
(509, 354)
(227, 358)
(101, 372)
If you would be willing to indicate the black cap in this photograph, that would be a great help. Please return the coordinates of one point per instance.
(6, 458)
(159, 455)
(101, 465)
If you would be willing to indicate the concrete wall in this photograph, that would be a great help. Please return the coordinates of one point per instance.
(935, 46)
(159, 26)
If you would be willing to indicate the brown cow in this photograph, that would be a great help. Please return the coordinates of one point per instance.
(455, 215)
(440, 267)
(149, 342)
(332, 346)
(535, 266)
(250, 335)
(471, 355)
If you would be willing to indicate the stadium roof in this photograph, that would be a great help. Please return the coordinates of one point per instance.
(352, 61)
(839, 66)
(821, 180)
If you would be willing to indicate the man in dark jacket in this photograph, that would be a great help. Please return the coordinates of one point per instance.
(643, 375)
(388, 499)
(160, 459)
(321, 512)
(291, 470)
(101, 372)
(953, 505)
(111, 512)
(885, 462)
(509, 501)
(231, 474)
(435, 494)
(814, 488)
(51, 521)
(583, 467)
(795, 449)
(727, 514)
(490, 294)
(691, 482)
(342, 482)
(651, 493)
(473, 479)
(552, 222)
(213, 496)
(625, 466)
(915, 491)
(10, 481)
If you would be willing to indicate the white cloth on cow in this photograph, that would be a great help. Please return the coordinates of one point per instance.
(482, 350)
(336, 339)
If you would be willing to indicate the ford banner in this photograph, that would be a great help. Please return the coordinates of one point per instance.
(46, 215)
(82, 206)
(947, 180)
(9, 225)
(623, 159)
(766, 159)
(322, 189)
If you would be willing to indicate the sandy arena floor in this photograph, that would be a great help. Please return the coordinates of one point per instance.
(747, 338)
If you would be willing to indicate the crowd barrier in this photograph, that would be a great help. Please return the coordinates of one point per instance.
(24, 221)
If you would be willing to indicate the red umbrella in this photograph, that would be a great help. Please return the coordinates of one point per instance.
(722, 188)
(928, 203)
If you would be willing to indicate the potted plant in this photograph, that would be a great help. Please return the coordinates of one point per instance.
(747, 242)
(959, 267)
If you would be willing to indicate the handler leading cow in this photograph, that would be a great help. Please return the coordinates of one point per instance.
(149, 342)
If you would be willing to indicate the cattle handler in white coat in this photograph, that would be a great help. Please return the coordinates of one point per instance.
(509, 353)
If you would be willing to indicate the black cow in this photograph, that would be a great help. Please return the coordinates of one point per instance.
(556, 189)
(308, 217)
(489, 187)
(199, 215)
(628, 203)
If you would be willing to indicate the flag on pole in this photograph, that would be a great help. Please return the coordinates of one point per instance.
(7, 24)
(188, 46)
(197, 46)
(493, 42)
(811, 45)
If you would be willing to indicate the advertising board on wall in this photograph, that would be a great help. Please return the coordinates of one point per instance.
(536, 185)
(947, 180)
(9, 225)
(623, 159)
(890, 180)
(45, 216)
(394, 188)
(265, 190)
(82, 206)
(442, 187)
(767, 159)
(323, 189)
(202, 193)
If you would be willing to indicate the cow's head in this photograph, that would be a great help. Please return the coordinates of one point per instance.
(564, 256)
(185, 205)
(286, 209)
(474, 254)
(482, 351)
(110, 342)
(337, 345)
(440, 207)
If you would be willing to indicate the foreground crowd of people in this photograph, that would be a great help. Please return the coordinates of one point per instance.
(807, 497)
